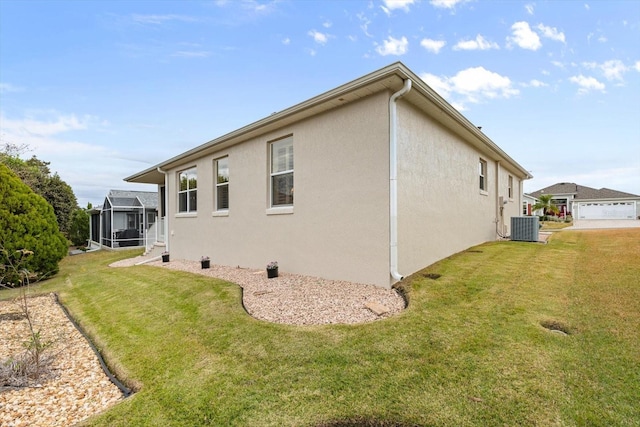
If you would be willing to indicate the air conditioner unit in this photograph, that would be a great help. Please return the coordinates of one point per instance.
(524, 228)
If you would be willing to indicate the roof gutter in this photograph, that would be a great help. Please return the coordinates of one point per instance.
(393, 180)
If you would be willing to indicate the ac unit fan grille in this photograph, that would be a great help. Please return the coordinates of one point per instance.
(524, 228)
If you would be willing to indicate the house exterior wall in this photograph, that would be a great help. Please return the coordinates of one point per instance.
(441, 209)
(338, 228)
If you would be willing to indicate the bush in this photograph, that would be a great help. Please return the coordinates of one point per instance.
(79, 230)
(27, 222)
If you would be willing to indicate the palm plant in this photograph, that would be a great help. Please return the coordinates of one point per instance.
(546, 204)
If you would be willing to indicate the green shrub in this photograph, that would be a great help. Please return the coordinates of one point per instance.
(79, 230)
(27, 222)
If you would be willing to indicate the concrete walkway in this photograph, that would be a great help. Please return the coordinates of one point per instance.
(599, 224)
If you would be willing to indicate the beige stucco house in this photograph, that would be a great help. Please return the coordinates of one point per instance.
(588, 203)
(388, 178)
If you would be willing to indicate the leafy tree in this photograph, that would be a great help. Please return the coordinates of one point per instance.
(79, 230)
(37, 175)
(60, 195)
(27, 222)
(546, 204)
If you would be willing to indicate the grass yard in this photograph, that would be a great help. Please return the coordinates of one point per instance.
(469, 351)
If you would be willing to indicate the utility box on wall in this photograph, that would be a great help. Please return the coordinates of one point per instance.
(524, 228)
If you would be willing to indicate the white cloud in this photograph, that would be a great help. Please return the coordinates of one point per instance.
(192, 54)
(439, 84)
(587, 84)
(390, 5)
(479, 81)
(551, 33)
(472, 85)
(327, 24)
(614, 69)
(161, 19)
(7, 87)
(319, 37)
(535, 83)
(524, 37)
(637, 66)
(529, 8)
(446, 4)
(393, 46)
(47, 136)
(257, 7)
(253, 6)
(286, 41)
(31, 126)
(364, 24)
(480, 43)
(433, 45)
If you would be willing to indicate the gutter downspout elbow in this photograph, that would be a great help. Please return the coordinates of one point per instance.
(393, 180)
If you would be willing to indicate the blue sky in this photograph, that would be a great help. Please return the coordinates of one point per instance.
(104, 89)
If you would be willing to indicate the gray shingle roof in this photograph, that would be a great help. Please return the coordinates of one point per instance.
(127, 198)
(582, 192)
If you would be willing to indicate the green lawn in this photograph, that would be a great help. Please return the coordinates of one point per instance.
(469, 350)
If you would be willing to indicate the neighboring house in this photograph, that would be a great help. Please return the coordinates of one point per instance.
(528, 202)
(389, 178)
(126, 219)
(589, 203)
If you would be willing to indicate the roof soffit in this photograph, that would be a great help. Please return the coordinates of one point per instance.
(390, 78)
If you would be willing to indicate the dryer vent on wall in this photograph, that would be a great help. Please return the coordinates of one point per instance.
(524, 228)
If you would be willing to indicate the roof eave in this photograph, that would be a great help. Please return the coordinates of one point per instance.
(390, 77)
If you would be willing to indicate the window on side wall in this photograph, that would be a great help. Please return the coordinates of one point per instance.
(222, 184)
(483, 175)
(188, 190)
(281, 152)
(510, 187)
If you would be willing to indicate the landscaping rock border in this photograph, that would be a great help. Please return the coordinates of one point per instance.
(77, 387)
(296, 299)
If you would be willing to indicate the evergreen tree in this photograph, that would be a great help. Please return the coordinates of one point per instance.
(27, 222)
(37, 175)
(79, 230)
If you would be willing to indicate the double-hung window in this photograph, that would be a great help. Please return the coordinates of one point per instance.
(188, 191)
(483, 175)
(281, 152)
(222, 184)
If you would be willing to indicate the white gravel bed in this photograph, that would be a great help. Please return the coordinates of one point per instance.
(296, 299)
(77, 387)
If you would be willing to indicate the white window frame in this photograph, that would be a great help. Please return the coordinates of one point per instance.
(192, 170)
(483, 178)
(219, 184)
(289, 165)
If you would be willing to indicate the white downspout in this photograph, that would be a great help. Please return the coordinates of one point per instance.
(166, 206)
(393, 180)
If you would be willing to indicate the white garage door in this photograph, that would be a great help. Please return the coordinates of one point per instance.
(618, 210)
